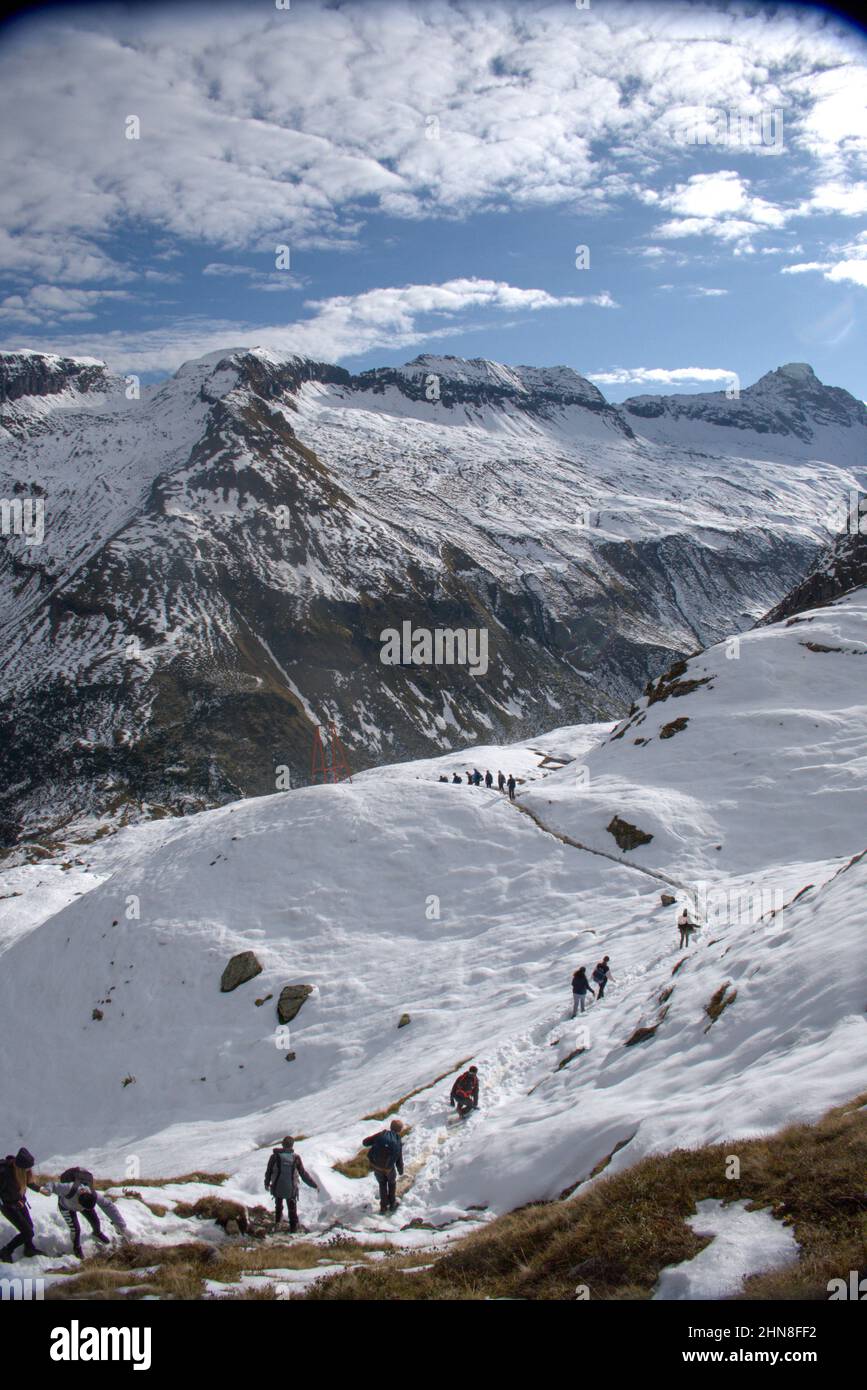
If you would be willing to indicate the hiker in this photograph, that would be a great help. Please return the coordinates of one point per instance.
(456, 777)
(444, 778)
(601, 975)
(469, 779)
(281, 1179)
(465, 1092)
(511, 784)
(477, 778)
(685, 927)
(16, 1171)
(501, 781)
(580, 990)
(489, 778)
(76, 1196)
(386, 1160)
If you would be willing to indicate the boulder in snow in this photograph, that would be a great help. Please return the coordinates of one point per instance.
(290, 1001)
(240, 969)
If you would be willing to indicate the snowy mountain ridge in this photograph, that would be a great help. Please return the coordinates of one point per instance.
(224, 551)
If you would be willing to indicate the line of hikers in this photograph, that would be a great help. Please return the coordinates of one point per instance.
(475, 779)
(76, 1196)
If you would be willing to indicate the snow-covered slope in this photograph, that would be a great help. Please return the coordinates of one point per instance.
(224, 551)
(399, 894)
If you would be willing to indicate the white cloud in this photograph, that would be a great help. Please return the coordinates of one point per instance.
(52, 304)
(661, 376)
(339, 327)
(259, 124)
(720, 204)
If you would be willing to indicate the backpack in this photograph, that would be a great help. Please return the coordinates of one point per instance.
(383, 1152)
(80, 1176)
(600, 974)
(10, 1192)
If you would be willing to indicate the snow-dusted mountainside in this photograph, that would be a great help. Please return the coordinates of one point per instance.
(401, 895)
(222, 552)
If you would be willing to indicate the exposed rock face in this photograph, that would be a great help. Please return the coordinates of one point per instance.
(239, 970)
(836, 571)
(39, 374)
(291, 999)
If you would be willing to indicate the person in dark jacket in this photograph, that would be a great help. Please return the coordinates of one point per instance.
(601, 975)
(281, 1179)
(511, 784)
(77, 1198)
(501, 781)
(489, 778)
(477, 778)
(465, 1092)
(16, 1171)
(444, 778)
(469, 779)
(580, 990)
(386, 1161)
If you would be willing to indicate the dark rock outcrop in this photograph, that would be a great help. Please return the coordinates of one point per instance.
(241, 968)
(291, 999)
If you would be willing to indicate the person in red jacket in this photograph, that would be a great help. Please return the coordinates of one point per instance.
(465, 1092)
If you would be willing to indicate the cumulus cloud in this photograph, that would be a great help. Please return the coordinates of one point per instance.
(298, 122)
(720, 204)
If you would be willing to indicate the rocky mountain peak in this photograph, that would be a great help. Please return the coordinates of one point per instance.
(25, 373)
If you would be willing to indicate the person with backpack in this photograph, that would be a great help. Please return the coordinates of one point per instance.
(511, 784)
(76, 1196)
(489, 778)
(281, 1179)
(580, 990)
(465, 1092)
(456, 777)
(501, 781)
(685, 927)
(16, 1171)
(385, 1157)
(601, 975)
(477, 777)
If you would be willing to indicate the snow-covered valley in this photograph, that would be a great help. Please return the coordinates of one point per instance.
(398, 894)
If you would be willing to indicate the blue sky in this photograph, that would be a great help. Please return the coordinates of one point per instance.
(432, 168)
